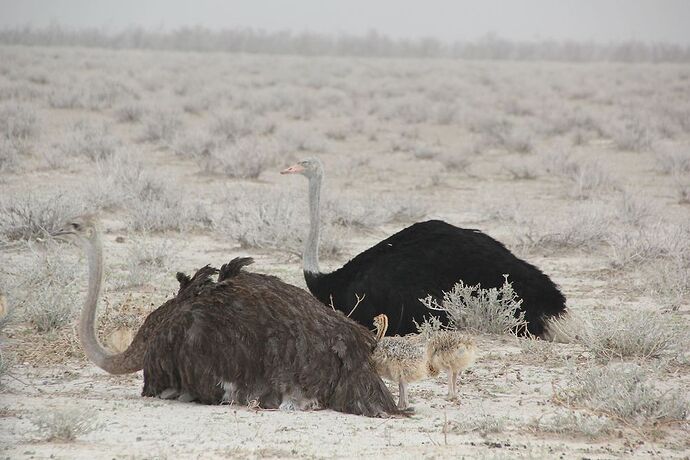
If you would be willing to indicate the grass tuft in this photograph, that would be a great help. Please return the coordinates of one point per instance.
(65, 425)
(624, 391)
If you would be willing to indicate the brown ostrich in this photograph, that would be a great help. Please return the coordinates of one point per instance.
(244, 338)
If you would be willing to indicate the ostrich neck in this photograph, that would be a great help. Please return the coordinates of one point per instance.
(310, 260)
(112, 363)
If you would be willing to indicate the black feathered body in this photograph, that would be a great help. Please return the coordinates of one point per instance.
(428, 258)
(251, 337)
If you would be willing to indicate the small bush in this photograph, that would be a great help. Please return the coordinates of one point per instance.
(631, 134)
(483, 424)
(632, 334)
(11, 151)
(129, 113)
(65, 425)
(273, 219)
(350, 210)
(45, 289)
(244, 158)
(90, 141)
(625, 391)
(145, 261)
(161, 126)
(27, 217)
(673, 161)
(569, 423)
(16, 122)
(494, 311)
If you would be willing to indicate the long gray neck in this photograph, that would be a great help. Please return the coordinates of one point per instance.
(87, 321)
(310, 260)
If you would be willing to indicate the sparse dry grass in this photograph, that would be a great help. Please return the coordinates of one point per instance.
(629, 335)
(65, 425)
(625, 391)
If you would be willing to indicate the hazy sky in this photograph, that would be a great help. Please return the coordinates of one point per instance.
(599, 20)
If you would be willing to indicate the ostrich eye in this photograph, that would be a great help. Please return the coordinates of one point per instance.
(76, 226)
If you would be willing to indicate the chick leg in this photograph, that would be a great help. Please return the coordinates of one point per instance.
(402, 395)
(451, 383)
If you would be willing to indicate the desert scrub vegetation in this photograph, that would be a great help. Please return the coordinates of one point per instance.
(629, 335)
(17, 122)
(28, 217)
(43, 289)
(89, 140)
(570, 422)
(65, 425)
(161, 126)
(354, 210)
(11, 153)
(244, 158)
(273, 219)
(632, 134)
(673, 161)
(473, 308)
(145, 261)
(624, 391)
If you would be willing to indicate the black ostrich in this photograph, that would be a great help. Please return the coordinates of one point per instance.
(423, 259)
(242, 338)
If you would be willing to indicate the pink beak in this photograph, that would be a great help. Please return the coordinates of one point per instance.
(293, 169)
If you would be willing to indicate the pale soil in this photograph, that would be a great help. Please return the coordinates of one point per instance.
(512, 388)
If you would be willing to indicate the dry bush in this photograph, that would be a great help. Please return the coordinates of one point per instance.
(130, 113)
(634, 210)
(43, 288)
(493, 310)
(17, 122)
(589, 179)
(27, 217)
(145, 261)
(631, 134)
(11, 151)
(483, 424)
(668, 280)
(569, 423)
(522, 170)
(273, 219)
(673, 162)
(243, 158)
(628, 335)
(65, 425)
(168, 210)
(89, 140)
(622, 390)
(161, 126)
(302, 140)
(352, 210)
(458, 162)
(586, 227)
(235, 125)
(643, 244)
(682, 187)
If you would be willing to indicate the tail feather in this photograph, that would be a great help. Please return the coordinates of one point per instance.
(362, 392)
(192, 287)
(233, 268)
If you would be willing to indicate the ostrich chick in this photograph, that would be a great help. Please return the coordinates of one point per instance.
(398, 359)
(452, 351)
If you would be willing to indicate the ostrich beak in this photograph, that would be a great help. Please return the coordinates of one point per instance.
(294, 169)
(61, 234)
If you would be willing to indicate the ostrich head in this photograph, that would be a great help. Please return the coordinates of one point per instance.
(80, 230)
(381, 325)
(309, 167)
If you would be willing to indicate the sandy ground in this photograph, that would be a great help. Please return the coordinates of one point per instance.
(511, 387)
